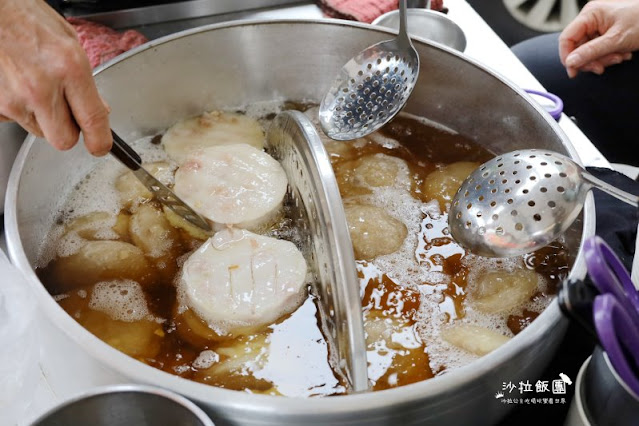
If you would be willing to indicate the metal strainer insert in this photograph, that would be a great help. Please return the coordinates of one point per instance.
(521, 201)
(315, 207)
(371, 88)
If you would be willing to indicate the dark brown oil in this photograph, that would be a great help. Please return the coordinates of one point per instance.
(291, 356)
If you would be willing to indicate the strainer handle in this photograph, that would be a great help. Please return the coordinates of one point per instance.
(419, 4)
(624, 196)
(403, 27)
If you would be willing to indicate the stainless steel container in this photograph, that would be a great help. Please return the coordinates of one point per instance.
(601, 396)
(429, 24)
(126, 405)
(237, 64)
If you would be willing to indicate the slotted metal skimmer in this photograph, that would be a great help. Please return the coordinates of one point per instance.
(315, 206)
(521, 201)
(372, 87)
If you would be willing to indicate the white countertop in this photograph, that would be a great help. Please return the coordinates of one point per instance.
(482, 45)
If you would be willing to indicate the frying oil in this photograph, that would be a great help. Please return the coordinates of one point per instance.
(407, 295)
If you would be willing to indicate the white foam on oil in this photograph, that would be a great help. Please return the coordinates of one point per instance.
(122, 300)
(72, 241)
(63, 242)
(404, 268)
(95, 192)
(539, 303)
(402, 265)
(442, 354)
(206, 359)
(69, 244)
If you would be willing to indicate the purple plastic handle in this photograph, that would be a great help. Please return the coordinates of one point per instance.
(617, 332)
(557, 106)
(615, 310)
(610, 275)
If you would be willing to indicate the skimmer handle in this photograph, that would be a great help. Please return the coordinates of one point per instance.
(624, 196)
(403, 27)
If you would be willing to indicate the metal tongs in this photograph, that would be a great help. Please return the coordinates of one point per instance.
(610, 309)
(127, 156)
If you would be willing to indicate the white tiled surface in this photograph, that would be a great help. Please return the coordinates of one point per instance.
(482, 45)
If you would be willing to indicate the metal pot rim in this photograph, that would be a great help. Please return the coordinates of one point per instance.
(450, 382)
(167, 395)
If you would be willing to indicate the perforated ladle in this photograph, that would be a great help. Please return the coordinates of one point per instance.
(521, 201)
(372, 87)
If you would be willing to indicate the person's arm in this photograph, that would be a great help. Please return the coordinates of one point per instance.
(46, 82)
(605, 32)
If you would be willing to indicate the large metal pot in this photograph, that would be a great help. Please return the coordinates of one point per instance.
(11, 137)
(235, 65)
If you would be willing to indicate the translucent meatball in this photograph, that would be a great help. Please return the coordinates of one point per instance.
(138, 339)
(474, 339)
(132, 192)
(503, 290)
(92, 227)
(442, 184)
(373, 231)
(349, 184)
(100, 261)
(152, 232)
(117, 313)
(379, 170)
(337, 150)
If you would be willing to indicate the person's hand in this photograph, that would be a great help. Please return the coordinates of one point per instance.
(46, 82)
(605, 32)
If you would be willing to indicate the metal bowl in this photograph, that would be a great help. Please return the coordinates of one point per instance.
(429, 24)
(242, 63)
(126, 405)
